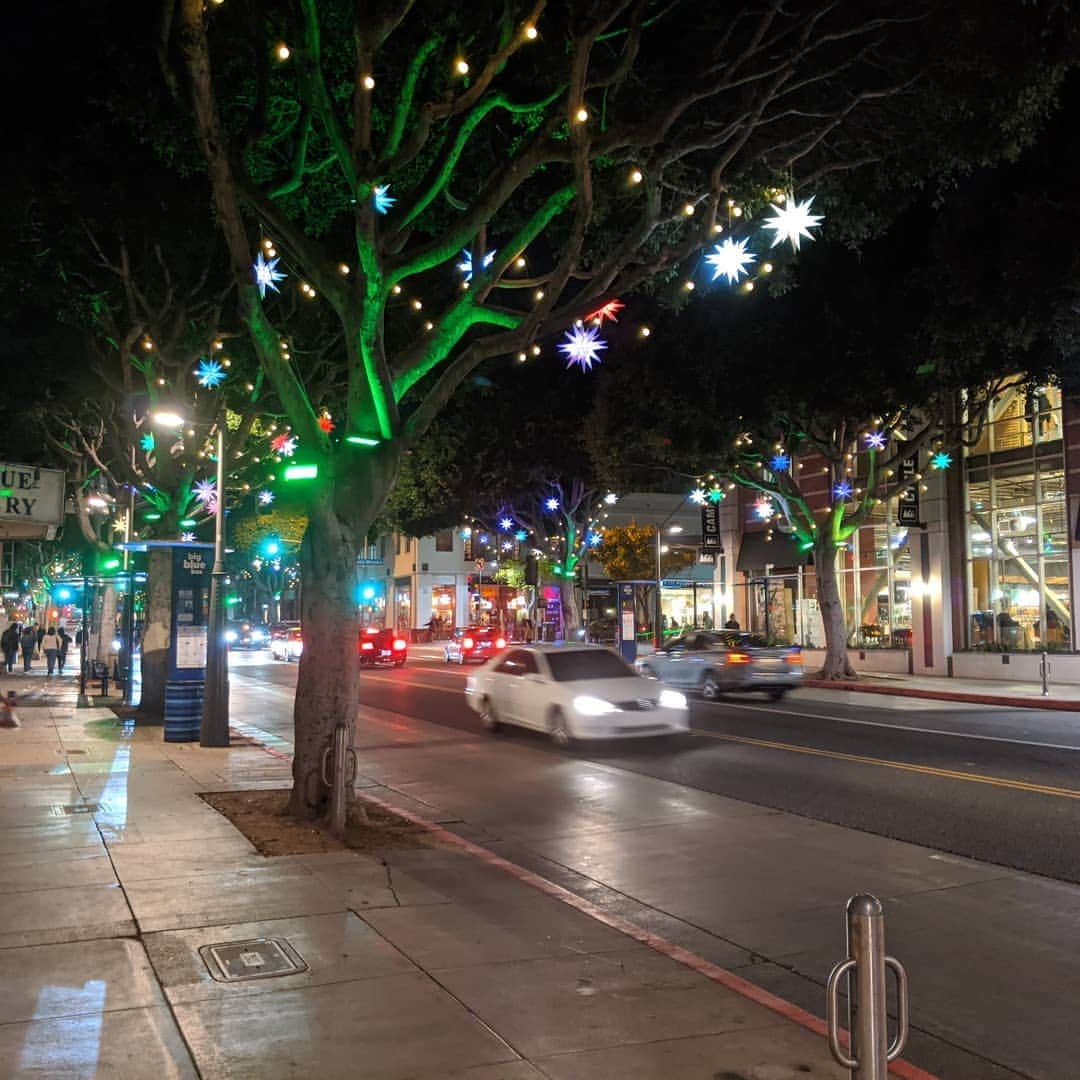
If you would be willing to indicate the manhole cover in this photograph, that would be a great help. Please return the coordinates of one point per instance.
(259, 958)
(75, 808)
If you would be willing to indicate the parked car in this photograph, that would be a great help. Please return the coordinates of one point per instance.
(574, 692)
(473, 643)
(716, 662)
(280, 630)
(287, 646)
(246, 635)
(382, 645)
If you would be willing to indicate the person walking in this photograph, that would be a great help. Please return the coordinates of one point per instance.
(28, 643)
(9, 645)
(50, 646)
(65, 644)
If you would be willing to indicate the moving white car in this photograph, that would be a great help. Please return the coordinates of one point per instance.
(289, 646)
(574, 692)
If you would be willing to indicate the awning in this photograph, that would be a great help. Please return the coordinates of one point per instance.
(756, 551)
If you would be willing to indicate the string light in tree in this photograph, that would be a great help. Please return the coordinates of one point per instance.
(843, 490)
(792, 221)
(383, 199)
(582, 346)
(730, 260)
(210, 374)
(875, 440)
(941, 460)
(780, 462)
(267, 274)
(466, 264)
(605, 311)
(266, 497)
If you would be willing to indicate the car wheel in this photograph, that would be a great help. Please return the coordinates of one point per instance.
(559, 732)
(489, 717)
(777, 693)
(710, 688)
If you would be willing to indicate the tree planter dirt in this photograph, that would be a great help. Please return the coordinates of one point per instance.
(262, 816)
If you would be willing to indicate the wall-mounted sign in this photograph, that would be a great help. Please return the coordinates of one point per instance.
(31, 502)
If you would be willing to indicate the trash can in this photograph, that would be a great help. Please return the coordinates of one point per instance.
(183, 711)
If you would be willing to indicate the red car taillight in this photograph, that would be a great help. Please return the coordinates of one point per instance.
(467, 643)
(399, 644)
(500, 643)
(738, 658)
(367, 646)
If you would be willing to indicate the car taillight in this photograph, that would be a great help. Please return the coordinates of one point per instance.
(367, 646)
(399, 643)
(738, 658)
(467, 643)
(500, 643)
(794, 658)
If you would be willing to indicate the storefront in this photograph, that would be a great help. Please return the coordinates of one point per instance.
(444, 607)
(402, 603)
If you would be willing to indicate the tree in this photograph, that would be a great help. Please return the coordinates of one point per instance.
(376, 148)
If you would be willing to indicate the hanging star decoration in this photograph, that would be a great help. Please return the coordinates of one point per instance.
(466, 264)
(483, 538)
(147, 442)
(383, 199)
(521, 536)
(730, 259)
(210, 374)
(715, 495)
(764, 509)
(843, 490)
(698, 496)
(594, 539)
(187, 537)
(551, 504)
(941, 460)
(875, 440)
(610, 499)
(792, 221)
(582, 346)
(605, 311)
(326, 424)
(780, 462)
(283, 444)
(267, 275)
(506, 524)
(507, 545)
(266, 497)
(205, 491)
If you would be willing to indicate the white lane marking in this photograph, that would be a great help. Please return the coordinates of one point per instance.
(898, 727)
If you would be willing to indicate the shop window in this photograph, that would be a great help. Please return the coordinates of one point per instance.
(444, 540)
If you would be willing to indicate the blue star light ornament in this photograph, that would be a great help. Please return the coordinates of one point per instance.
(521, 536)
(875, 440)
(780, 463)
(792, 221)
(730, 260)
(582, 346)
(466, 264)
(941, 460)
(594, 539)
(383, 199)
(210, 374)
(147, 442)
(843, 490)
(266, 274)
(506, 524)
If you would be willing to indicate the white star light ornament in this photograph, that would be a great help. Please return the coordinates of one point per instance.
(551, 504)
(383, 199)
(582, 346)
(730, 260)
(792, 221)
(466, 264)
(266, 274)
(266, 497)
(697, 496)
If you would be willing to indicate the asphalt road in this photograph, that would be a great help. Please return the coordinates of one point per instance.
(997, 785)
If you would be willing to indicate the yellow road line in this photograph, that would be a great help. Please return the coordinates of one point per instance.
(902, 766)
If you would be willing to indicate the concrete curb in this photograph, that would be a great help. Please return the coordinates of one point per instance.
(946, 695)
(714, 972)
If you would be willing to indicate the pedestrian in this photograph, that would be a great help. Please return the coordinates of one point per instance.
(65, 644)
(9, 644)
(28, 643)
(50, 646)
(40, 635)
(732, 623)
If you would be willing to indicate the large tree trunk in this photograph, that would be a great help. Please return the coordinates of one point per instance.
(571, 613)
(155, 635)
(832, 612)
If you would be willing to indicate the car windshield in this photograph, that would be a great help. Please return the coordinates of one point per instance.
(576, 665)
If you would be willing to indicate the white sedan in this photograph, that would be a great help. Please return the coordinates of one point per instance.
(573, 692)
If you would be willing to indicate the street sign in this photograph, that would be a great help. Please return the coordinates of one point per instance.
(907, 511)
(710, 525)
(706, 558)
(31, 502)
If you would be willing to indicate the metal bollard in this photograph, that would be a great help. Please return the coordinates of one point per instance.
(867, 1016)
(1044, 671)
(343, 757)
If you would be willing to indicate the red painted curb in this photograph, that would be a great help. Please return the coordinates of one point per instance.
(946, 695)
(712, 971)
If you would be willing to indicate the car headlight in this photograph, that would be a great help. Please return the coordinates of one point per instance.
(593, 706)
(258, 635)
(672, 699)
(230, 636)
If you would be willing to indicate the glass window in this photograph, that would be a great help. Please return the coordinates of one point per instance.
(444, 540)
(575, 665)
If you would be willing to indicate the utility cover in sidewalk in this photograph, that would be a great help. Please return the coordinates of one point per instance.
(259, 958)
(75, 808)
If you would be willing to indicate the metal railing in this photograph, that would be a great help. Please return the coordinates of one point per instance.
(338, 774)
(870, 1051)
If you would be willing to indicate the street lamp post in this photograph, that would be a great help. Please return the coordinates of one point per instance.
(214, 730)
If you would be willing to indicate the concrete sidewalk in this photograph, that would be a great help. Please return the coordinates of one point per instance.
(424, 963)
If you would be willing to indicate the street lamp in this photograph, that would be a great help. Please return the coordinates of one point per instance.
(214, 730)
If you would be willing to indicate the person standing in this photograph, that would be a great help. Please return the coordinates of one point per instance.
(9, 644)
(65, 644)
(50, 646)
(28, 643)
